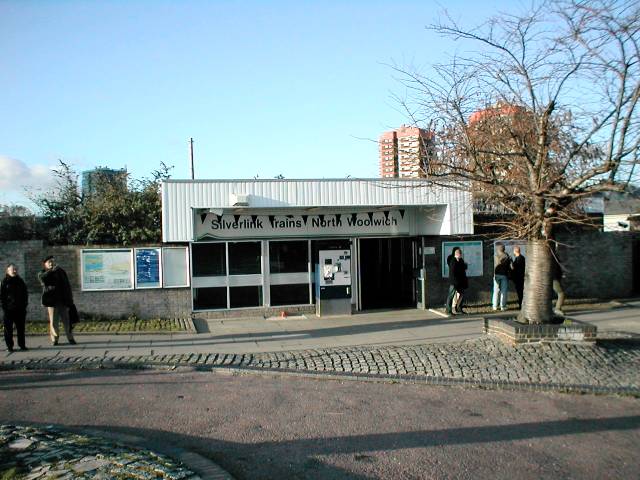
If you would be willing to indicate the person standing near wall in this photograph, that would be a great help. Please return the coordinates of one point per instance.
(501, 269)
(14, 298)
(57, 298)
(458, 282)
(517, 273)
(558, 273)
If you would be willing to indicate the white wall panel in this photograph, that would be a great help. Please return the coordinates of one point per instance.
(180, 196)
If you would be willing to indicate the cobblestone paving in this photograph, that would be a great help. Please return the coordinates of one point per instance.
(608, 367)
(47, 453)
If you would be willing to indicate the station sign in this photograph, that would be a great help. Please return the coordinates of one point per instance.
(388, 222)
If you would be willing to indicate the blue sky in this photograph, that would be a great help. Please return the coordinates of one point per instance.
(297, 88)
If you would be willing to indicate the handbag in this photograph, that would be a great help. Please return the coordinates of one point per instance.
(73, 314)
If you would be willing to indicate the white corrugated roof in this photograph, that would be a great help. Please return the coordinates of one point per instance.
(179, 197)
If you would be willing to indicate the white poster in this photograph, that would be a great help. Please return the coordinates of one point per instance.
(107, 269)
(175, 269)
(471, 253)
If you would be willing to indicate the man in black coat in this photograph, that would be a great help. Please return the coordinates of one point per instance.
(517, 273)
(14, 298)
(57, 298)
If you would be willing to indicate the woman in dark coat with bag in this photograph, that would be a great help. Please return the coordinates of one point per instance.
(15, 298)
(458, 281)
(57, 298)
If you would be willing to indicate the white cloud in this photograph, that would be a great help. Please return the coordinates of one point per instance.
(16, 176)
(18, 180)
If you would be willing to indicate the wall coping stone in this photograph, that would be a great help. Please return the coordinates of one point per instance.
(513, 332)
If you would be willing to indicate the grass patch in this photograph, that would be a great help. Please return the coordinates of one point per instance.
(11, 474)
(101, 325)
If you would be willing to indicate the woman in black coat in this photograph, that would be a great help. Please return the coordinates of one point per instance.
(57, 298)
(15, 298)
(458, 282)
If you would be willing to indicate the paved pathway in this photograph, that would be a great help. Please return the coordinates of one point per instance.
(257, 335)
(409, 345)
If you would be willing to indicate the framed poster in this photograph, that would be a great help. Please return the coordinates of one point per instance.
(148, 267)
(109, 269)
(175, 267)
(471, 253)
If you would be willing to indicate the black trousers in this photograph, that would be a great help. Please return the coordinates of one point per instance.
(17, 318)
(519, 290)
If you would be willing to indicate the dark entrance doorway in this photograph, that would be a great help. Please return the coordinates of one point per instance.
(387, 273)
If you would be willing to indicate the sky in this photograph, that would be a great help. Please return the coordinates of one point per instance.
(296, 88)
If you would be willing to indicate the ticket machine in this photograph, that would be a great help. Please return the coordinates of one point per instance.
(333, 283)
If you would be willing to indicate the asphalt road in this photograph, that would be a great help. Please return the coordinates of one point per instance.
(276, 427)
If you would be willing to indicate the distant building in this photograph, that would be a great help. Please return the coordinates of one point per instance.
(404, 152)
(621, 210)
(92, 178)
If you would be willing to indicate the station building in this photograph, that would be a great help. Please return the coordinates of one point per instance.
(260, 244)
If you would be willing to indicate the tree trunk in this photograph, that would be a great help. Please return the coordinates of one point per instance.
(538, 288)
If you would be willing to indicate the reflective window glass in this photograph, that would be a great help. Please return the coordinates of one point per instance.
(246, 296)
(209, 298)
(209, 259)
(245, 258)
(297, 294)
(288, 257)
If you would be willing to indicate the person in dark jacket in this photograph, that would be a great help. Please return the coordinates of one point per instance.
(501, 270)
(517, 273)
(458, 282)
(15, 298)
(57, 298)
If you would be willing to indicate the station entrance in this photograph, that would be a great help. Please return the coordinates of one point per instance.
(388, 272)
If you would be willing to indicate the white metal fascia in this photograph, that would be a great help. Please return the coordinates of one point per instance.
(179, 197)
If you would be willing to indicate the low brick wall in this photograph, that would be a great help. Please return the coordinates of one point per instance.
(144, 303)
(512, 332)
(265, 312)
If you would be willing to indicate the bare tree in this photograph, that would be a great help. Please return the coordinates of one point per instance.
(538, 118)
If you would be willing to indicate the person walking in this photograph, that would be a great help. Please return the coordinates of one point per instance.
(458, 281)
(57, 298)
(501, 268)
(517, 273)
(14, 297)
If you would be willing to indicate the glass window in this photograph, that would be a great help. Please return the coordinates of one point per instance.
(209, 259)
(245, 258)
(288, 257)
(295, 294)
(209, 298)
(246, 296)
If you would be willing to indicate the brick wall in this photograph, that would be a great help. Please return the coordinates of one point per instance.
(146, 303)
(600, 265)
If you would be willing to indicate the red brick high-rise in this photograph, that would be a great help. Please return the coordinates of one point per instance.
(404, 152)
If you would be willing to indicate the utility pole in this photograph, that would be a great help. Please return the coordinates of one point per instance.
(191, 158)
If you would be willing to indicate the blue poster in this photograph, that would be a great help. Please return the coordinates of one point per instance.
(147, 267)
